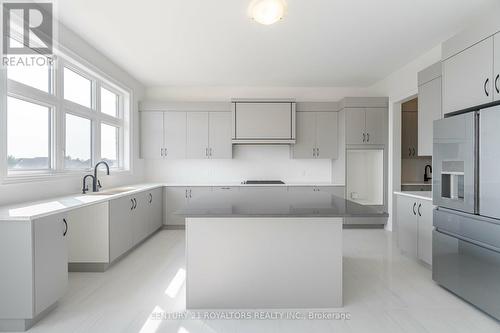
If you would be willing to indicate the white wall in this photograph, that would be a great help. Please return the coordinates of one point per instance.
(87, 55)
(401, 86)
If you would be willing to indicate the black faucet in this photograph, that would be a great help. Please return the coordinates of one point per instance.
(96, 184)
(85, 188)
(426, 176)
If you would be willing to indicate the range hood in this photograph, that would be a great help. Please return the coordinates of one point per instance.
(263, 121)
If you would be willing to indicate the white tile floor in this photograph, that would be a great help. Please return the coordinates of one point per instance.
(383, 292)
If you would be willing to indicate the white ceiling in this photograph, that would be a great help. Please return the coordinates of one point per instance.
(320, 42)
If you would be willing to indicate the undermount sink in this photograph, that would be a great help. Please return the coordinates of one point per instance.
(113, 191)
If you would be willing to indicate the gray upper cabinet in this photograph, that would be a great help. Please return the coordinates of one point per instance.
(152, 135)
(355, 125)
(366, 126)
(317, 135)
(376, 126)
(185, 134)
(496, 73)
(209, 135)
(197, 135)
(306, 136)
(174, 125)
(409, 141)
(50, 260)
(468, 77)
(429, 106)
(327, 135)
(163, 135)
(219, 135)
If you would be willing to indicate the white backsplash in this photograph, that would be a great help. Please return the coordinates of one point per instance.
(249, 162)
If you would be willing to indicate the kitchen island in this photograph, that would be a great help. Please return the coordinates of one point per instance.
(251, 250)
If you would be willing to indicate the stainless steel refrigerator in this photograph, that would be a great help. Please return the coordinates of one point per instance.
(466, 189)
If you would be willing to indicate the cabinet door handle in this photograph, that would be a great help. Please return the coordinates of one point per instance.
(409, 151)
(496, 84)
(161, 151)
(486, 87)
(210, 152)
(317, 152)
(66, 227)
(206, 152)
(135, 203)
(419, 205)
(132, 201)
(150, 198)
(414, 151)
(414, 205)
(190, 193)
(367, 137)
(364, 137)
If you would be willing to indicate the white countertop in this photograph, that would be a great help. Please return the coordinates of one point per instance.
(424, 195)
(37, 209)
(249, 185)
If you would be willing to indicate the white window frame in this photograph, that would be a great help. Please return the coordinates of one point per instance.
(58, 108)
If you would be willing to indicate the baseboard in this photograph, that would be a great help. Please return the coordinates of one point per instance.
(174, 227)
(21, 325)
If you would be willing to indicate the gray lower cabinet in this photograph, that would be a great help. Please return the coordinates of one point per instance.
(51, 260)
(120, 226)
(132, 219)
(414, 218)
(178, 197)
(38, 276)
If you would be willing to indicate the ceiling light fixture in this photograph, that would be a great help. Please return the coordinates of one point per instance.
(267, 11)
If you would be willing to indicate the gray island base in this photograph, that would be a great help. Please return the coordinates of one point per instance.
(245, 251)
(257, 263)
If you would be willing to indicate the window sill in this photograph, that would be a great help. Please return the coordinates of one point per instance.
(19, 178)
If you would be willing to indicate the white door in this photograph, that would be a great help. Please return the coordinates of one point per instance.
(50, 260)
(156, 209)
(219, 135)
(152, 135)
(496, 73)
(306, 135)
(467, 77)
(376, 126)
(429, 109)
(424, 248)
(174, 125)
(327, 135)
(197, 135)
(407, 224)
(355, 125)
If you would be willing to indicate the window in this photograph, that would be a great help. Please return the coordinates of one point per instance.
(109, 102)
(37, 77)
(28, 135)
(109, 144)
(77, 88)
(78, 150)
(62, 131)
